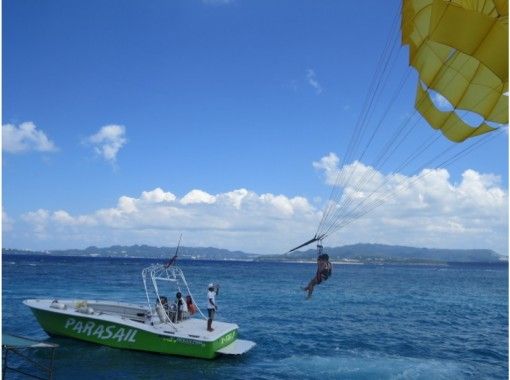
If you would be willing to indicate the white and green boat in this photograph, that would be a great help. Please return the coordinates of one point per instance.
(157, 327)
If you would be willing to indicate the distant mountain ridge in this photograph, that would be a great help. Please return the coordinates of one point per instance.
(357, 253)
(144, 251)
(373, 253)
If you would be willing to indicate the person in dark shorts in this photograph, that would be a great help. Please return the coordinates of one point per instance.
(322, 274)
(180, 306)
(212, 291)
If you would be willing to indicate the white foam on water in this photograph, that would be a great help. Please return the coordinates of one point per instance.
(368, 367)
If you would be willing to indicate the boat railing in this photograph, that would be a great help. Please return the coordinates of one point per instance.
(161, 273)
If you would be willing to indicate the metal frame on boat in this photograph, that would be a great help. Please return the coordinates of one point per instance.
(171, 274)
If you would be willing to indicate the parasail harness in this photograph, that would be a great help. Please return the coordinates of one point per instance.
(324, 270)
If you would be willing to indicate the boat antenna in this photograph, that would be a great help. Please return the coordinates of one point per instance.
(173, 259)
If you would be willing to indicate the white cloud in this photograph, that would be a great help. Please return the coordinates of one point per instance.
(426, 209)
(24, 138)
(312, 81)
(7, 222)
(429, 210)
(127, 205)
(238, 219)
(64, 218)
(328, 164)
(235, 197)
(39, 221)
(108, 141)
(42, 219)
(37, 217)
(158, 195)
(198, 196)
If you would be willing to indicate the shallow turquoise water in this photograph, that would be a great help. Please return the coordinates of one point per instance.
(366, 322)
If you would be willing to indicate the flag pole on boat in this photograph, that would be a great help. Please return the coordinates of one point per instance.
(173, 259)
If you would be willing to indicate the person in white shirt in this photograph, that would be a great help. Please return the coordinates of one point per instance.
(211, 305)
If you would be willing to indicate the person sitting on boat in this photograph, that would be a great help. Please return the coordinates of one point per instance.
(192, 309)
(163, 301)
(169, 309)
(162, 309)
(211, 305)
(323, 271)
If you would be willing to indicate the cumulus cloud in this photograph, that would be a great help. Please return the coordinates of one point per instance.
(312, 81)
(239, 219)
(158, 195)
(428, 209)
(198, 196)
(38, 220)
(329, 165)
(24, 138)
(108, 141)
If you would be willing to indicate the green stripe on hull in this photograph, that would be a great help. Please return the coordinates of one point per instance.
(121, 336)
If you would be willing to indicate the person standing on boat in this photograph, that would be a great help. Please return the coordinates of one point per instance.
(180, 306)
(211, 305)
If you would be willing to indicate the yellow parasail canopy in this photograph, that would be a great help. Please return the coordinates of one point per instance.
(460, 50)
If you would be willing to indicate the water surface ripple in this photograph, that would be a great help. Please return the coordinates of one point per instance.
(366, 322)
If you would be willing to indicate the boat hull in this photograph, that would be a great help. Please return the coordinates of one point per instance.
(127, 336)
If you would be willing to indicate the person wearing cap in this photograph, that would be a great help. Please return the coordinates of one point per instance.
(211, 305)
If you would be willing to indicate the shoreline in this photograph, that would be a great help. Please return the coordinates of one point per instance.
(312, 262)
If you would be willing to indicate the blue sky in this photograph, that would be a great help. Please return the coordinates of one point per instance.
(213, 96)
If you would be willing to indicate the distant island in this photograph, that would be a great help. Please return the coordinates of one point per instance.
(348, 254)
(144, 251)
(380, 254)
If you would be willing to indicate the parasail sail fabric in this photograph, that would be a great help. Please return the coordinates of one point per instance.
(460, 50)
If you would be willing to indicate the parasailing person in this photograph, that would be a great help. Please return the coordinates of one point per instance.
(324, 269)
(459, 50)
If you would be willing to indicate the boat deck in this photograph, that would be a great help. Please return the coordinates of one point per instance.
(195, 328)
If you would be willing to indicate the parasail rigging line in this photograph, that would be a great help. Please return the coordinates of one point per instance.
(348, 214)
(341, 209)
(393, 195)
(351, 217)
(372, 93)
(334, 212)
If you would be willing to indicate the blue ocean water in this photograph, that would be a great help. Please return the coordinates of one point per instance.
(365, 322)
